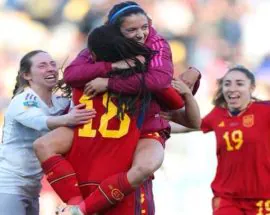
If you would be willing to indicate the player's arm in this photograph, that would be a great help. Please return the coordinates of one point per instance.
(29, 114)
(157, 78)
(188, 116)
(82, 70)
(77, 116)
(176, 128)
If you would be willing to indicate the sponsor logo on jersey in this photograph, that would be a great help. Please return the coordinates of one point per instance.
(248, 120)
(117, 194)
(221, 124)
(30, 104)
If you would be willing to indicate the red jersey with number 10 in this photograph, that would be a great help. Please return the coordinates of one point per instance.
(103, 147)
(243, 151)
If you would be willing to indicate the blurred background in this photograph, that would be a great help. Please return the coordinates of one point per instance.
(208, 34)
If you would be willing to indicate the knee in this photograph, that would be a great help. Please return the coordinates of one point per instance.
(144, 170)
(40, 146)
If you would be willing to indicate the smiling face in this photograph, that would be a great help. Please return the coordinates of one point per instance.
(43, 72)
(237, 89)
(135, 27)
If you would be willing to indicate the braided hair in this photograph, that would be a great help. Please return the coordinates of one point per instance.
(107, 44)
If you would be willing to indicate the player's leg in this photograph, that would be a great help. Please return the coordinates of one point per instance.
(223, 206)
(12, 204)
(60, 174)
(148, 158)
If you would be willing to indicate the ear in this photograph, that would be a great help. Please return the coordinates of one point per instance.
(252, 88)
(27, 76)
(93, 55)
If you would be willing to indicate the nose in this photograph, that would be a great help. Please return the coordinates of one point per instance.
(52, 68)
(139, 34)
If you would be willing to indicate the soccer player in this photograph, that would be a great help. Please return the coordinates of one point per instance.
(161, 66)
(33, 111)
(241, 125)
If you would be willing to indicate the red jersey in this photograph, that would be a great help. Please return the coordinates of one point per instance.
(103, 147)
(243, 151)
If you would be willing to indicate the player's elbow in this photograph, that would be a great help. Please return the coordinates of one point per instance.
(195, 123)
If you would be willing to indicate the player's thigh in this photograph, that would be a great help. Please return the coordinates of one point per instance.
(59, 140)
(148, 151)
(12, 204)
(223, 206)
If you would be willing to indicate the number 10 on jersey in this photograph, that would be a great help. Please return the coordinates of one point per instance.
(88, 131)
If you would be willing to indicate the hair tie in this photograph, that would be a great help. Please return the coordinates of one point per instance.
(121, 11)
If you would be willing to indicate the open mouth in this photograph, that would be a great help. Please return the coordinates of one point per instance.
(51, 78)
(233, 98)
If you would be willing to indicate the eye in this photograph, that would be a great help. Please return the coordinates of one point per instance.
(42, 66)
(145, 27)
(131, 30)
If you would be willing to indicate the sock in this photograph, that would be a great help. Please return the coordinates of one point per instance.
(111, 191)
(62, 178)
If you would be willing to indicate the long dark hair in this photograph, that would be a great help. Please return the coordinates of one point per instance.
(219, 99)
(107, 43)
(25, 67)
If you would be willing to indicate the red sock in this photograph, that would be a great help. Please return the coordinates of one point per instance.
(62, 178)
(109, 192)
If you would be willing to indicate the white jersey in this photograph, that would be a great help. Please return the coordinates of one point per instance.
(25, 121)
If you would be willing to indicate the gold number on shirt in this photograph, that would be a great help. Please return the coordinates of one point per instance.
(88, 131)
(234, 140)
(263, 205)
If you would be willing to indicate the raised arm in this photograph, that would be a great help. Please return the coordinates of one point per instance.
(190, 115)
(82, 70)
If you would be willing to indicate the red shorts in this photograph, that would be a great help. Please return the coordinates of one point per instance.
(226, 206)
(161, 136)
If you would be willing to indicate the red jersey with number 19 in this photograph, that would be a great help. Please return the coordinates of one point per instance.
(243, 151)
(103, 147)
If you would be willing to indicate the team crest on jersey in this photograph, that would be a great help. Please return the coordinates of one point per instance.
(248, 120)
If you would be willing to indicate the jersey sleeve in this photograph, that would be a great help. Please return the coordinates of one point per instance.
(170, 99)
(158, 76)
(207, 122)
(28, 113)
(82, 70)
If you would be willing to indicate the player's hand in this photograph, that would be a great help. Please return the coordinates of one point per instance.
(126, 64)
(69, 210)
(79, 115)
(181, 87)
(166, 115)
(96, 86)
(190, 77)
